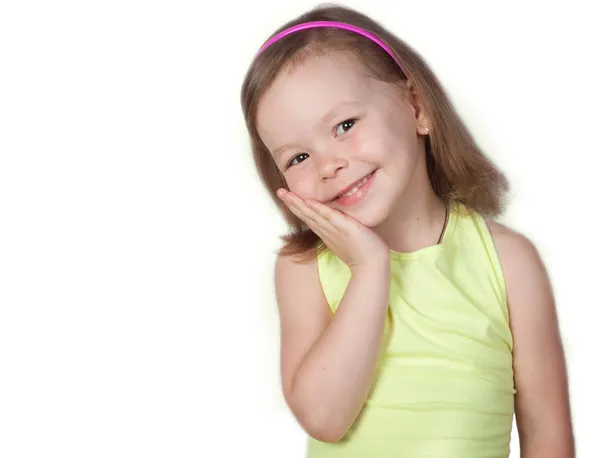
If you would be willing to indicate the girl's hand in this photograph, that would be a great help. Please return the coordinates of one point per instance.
(350, 240)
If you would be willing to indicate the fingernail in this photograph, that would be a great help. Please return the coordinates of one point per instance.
(280, 193)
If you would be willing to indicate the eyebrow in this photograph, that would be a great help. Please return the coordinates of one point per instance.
(323, 120)
(330, 114)
(277, 152)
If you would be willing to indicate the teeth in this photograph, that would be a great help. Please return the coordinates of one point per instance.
(354, 190)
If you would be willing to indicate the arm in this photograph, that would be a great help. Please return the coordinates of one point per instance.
(542, 400)
(328, 361)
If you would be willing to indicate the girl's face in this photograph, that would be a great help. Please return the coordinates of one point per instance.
(341, 137)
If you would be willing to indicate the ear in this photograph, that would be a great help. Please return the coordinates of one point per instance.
(422, 120)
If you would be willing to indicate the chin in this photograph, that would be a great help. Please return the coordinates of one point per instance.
(370, 217)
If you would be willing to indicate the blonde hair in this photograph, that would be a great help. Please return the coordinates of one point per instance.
(458, 169)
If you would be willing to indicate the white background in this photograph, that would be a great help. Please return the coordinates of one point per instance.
(137, 315)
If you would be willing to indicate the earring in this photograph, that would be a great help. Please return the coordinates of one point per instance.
(426, 129)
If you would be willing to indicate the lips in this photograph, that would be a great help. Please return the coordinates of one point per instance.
(352, 188)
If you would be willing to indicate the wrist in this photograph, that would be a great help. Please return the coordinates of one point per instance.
(380, 267)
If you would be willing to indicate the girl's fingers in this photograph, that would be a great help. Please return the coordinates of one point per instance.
(307, 214)
(297, 210)
(294, 204)
(306, 211)
(340, 223)
(333, 218)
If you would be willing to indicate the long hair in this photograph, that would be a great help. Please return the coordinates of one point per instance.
(458, 169)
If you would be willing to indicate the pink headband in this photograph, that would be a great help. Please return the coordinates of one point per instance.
(337, 25)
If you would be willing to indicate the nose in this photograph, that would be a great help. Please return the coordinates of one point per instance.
(329, 164)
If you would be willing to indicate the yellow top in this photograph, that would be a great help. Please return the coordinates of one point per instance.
(444, 383)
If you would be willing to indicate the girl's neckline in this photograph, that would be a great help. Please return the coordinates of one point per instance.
(432, 249)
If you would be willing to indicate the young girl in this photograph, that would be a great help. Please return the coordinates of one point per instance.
(412, 323)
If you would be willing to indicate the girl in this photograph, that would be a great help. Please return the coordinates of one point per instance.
(412, 323)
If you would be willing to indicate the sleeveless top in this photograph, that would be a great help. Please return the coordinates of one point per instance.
(444, 381)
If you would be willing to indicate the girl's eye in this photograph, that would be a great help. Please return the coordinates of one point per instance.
(345, 126)
(297, 159)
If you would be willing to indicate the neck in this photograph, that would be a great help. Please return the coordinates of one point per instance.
(418, 219)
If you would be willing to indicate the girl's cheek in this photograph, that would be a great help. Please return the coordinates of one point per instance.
(303, 187)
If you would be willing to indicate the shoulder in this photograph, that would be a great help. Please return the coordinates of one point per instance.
(519, 257)
(542, 398)
(508, 237)
(287, 267)
(295, 277)
(528, 287)
(303, 312)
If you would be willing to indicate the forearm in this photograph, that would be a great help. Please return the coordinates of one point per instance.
(335, 377)
(547, 445)
(547, 450)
